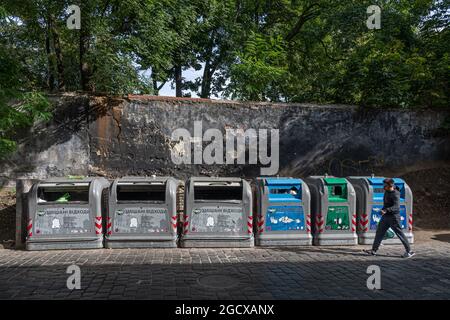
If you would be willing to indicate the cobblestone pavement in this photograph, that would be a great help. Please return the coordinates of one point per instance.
(273, 273)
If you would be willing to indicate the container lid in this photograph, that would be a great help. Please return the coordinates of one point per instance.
(215, 179)
(379, 180)
(282, 181)
(135, 180)
(335, 180)
(65, 181)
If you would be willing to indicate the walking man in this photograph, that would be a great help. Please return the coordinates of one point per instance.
(390, 218)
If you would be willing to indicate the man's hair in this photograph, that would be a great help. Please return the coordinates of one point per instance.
(389, 181)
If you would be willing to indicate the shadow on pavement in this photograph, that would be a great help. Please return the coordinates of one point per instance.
(337, 250)
(309, 279)
(445, 237)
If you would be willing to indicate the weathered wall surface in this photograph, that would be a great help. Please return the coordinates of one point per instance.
(53, 149)
(115, 137)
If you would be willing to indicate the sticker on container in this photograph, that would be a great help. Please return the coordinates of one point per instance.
(133, 223)
(67, 220)
(56, 224)
(285, 218)
(140, 220)
(218, 220)
(210, 222)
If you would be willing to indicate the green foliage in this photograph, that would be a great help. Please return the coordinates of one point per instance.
(394, 66)
(31, 106)
(114, 72)
(275, 50)
(18, 108)
(261, 69)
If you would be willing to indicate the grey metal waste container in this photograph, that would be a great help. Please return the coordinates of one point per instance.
(333, 205)
(283, 212)
(369, 201)
(66, 213)
(217, 213)
(142, 213)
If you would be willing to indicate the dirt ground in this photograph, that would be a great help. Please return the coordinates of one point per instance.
(430, 187)
(428, 235)
(431, 193)
(7, 216)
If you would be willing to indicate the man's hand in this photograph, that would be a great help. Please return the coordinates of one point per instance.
(383, 212)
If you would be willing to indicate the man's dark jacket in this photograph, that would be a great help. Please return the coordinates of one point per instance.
(391, 201)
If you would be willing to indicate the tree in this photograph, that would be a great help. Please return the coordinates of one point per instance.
(331, 56)
(261, 70)
(276, 50)
(20, 103)
(214, 39)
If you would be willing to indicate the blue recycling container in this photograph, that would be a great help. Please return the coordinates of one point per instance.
(283, 215)
(369, 202)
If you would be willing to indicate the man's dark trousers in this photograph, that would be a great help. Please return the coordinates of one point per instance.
(390, 221)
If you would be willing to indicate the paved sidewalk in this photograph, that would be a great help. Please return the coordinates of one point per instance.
(274, 273)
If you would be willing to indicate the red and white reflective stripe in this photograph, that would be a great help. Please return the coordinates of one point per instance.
(319, 223)
(174, 223)
(30, 227)
(185, 224)
(98, 225)
(260, 224)
(363, 223)
(108, 226)
(308, 223)
(410, 222)
(250, 224)
(353, 222)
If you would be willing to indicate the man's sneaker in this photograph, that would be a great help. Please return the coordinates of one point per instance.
(370, 252)
(408, 254)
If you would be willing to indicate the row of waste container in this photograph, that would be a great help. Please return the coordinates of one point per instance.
(133, 212)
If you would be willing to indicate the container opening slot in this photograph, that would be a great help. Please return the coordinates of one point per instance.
(217, 193)
(69, 194)
(141, 193)
(378, 190)
(285, 193)
(337, 191)
(291, 191)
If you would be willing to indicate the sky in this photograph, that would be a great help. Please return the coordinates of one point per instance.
(189, 74)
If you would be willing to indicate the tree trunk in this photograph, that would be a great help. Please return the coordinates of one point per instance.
(178, 81)
(59, 58)
(85, 69)
(210, 67)
(206, 81)
(48, 49)
(155, 88)
(84, 66)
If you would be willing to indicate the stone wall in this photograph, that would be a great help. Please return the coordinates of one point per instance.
(97, 135)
